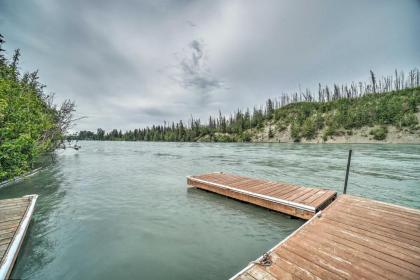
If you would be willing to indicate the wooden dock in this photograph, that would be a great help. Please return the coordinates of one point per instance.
(354, 238)
(15, 215)
(298, 201)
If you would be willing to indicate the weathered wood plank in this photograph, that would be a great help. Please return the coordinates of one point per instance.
(394, 240)
(9, 224)
(13, 200)
(245, 276)
(311, 199)
(263, 187)
(310, 266)
(333, 260)
(281, 192)
(259, 273)
(5, 231)
(391, 233)
(361, 258)
(380, 211)
(14, 205)
(359, 201)
(311, 193)
(380, 219)
(320, 201)
(380, 227)
(6, 240)
(296, 195)
(290, 268)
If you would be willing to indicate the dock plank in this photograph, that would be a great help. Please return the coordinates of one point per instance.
(9, 224)
(285, 189)
(282, 197)
(381, 267)
(288, 191)
(311, 193)
(279, 193)
(342, 243)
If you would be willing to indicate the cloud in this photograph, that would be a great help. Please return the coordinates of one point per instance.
(195, 73)
(133, 63)
(190, 23)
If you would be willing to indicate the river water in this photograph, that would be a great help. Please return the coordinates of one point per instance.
(122, 210)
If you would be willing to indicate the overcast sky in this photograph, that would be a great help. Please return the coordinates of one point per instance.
(129, 64)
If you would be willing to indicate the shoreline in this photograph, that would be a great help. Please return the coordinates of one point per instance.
(20, 178)
(266, 142)
(362, 135)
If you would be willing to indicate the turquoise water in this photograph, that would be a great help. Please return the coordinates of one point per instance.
(122, 210)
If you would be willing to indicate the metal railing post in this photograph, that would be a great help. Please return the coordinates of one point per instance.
(347, 172)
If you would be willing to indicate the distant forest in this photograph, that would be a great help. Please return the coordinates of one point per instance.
(389, 100)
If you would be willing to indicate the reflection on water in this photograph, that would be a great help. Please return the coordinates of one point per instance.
(121, 210)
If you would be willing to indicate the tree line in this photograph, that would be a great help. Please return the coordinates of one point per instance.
(239, 125)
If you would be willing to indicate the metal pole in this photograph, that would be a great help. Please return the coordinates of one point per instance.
(347, 173)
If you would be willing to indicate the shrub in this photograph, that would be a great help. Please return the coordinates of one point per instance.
(308, 129)
(330, 131)
(270, 132)
(319, 122)
(224, 138)
(409, 120)
(295, 132)
(379, 133)
(281, 127)
(245, 137)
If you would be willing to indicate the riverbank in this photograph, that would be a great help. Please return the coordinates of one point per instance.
(363, 135)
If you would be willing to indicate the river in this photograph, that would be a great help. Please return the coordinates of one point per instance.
(122, 210)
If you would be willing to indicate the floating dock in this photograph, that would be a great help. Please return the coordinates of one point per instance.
(15, 215)
(345, 238)
(354, 238)
(298, 201)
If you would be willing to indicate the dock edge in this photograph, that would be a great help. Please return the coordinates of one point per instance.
(261, 196)
(14, 247)
(252, 263)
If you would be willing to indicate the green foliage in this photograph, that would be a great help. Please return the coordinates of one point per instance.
(245, 137)
(379, 133)
(308, 128)
(270, 132)
(409, 120)
(29, 124)
(223, 138)
(295, 132)
(281, 127)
